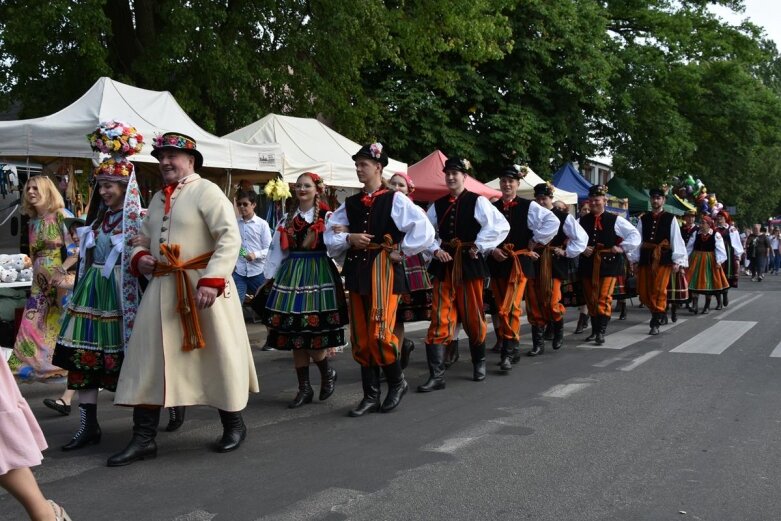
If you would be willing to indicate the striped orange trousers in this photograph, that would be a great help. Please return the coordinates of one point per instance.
(539, 311)
(509, 328)
(652, 287)
(447, 312)
(372, 345)
(603, 303)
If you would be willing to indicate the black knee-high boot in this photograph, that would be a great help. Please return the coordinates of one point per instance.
(327, 379)
(233, 431)
(370, 380)
(175, 418)
(142, 444)
(305, 391)
(718, 301)
(89, 430)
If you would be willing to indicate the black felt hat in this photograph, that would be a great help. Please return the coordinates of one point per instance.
(373, 151)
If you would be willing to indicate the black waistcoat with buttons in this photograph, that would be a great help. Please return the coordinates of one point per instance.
(707, 244)
(686, 233)
(457, 221)
(561, 265)
(376, 220)
(519, 236)
(300, 233)
(612, 263)
(655, 231)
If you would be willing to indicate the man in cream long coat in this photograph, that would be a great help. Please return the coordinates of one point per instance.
(168, 363)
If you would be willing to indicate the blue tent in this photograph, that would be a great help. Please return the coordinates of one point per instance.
(569, 179)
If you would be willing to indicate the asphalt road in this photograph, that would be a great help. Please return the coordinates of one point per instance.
(684, 426)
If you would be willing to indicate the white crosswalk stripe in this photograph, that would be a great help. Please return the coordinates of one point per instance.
(734, 308)
(716, 339)
(631, 335)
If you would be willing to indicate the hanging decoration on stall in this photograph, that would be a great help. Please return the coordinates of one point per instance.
(695, 192)
(276, 190)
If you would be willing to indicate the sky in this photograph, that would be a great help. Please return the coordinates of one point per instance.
(764, 13)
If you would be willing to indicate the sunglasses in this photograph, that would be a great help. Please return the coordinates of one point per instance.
(243, 204)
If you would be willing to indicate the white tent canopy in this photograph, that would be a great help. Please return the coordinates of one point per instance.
(64, 133)
(526, 188)
(309, 146)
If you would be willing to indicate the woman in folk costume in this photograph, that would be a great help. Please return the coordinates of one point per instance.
(34, 346)
(99, 317)
(416, 305)
(734, 248)
(677, 291)
(306, 309)
(706, 255)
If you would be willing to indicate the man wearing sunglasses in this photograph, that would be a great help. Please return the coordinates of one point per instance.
(255, 242)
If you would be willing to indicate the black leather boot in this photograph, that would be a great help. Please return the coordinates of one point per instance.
(478, 362)
(89, 430)
(594, 329)
(407, 347)
(505, 363)
(674, 313)
(695, 302)
(654, 324)
(548, 334)
(706, 307)
(451, 353)
(582, 323)
(663, 320)
(142, 445)
(327, 379)
(725, 298)
(435, 356)
(538, 341)
(370, 380)
(305, 391)
(622, 310)
(397, 386)
(718, 301)
(558, 334)
(233, 431)
(175, 418)
(602, 321)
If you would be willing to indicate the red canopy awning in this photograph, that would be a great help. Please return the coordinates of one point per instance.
(430, 180)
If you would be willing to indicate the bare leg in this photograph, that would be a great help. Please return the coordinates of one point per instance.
(316, 354)
(67, 396)
(21, 484)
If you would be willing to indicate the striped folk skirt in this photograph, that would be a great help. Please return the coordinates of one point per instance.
(306, 307)
(90, 344)
(415, 305)
(678, 288)
(731, 269)
(705, 274)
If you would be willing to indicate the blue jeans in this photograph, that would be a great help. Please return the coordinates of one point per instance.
(776, 260)
(244, 283)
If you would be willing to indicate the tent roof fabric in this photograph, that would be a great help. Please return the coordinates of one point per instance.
(63, 134)
(638, 201)
(430, 180)
(308, 145)
(569, 179)
(526, 188)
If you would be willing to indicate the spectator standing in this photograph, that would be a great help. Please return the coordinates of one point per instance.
(775, 242)
(255, 242)
(763, 253)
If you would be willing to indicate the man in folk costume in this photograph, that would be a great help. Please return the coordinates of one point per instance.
(380, 222)
(544, 295)
(610, 236)
(469, 227)
(189, 345)
(661, 254)
(512, 262)
(734, 249)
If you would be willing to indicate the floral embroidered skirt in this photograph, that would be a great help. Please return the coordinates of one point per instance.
(705, 274)
(306, 307)
(90, 343)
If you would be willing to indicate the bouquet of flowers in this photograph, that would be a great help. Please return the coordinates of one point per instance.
(116, 139)
(277, 190)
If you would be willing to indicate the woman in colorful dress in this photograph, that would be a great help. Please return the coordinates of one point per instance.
(306, 308)
(34, 346)
(99, 316)
(734, 249)
(416, 305)
(706, 255)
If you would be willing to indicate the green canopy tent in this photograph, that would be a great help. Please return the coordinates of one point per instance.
(674, 200)
(638, 201)
(669, 206)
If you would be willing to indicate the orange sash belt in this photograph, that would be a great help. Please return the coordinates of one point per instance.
(455, 248)
(192, 337)
(382, 281)
(656, 253)
(516, 276)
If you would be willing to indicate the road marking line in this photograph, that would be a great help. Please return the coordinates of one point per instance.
(716, 339)
(610, 361)
(465, 437)
(640, 360)
(631, 335)
(739, 298)
(564, 390)
(776, 352)
(732, 309)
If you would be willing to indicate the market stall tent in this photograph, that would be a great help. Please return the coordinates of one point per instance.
(526, 188)
(569, 179)
(307, 145)
(63, 134)
(430, 180)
